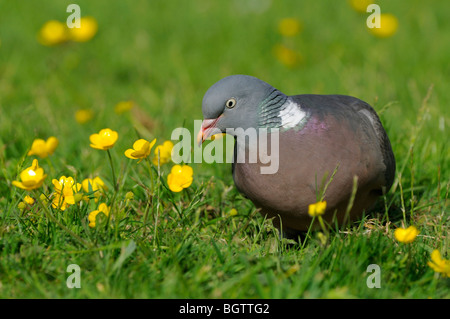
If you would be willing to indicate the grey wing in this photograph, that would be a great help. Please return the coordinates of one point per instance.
(364, 109)
(340, 104)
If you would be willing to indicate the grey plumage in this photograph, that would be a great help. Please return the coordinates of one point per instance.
(317, 134)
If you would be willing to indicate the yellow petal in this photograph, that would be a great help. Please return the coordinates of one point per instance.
(51, 144)
(29, 200)
(287, 56)
(129, 153)
(39, 173)
(94, 138)
(104, 140)
(20, 185)
(312, 210)
(317, 209)
(56, 184)
(59, 202)
(407, 235)
(85, 184)
(289, 27)
(70, 199)
(88, 29)
(140, 144)
(436, 257)
(186, 183)
(123, 106)
(98, 147)
(38, 148)
(27, 175)
(168, 145)
(164, 152)
(52, 32)
(99, 184)
(141, 149)
(173, 185)
(176, 169)
(360, 5)
(104, 208)
(35, 165)
(187, 170)
(92, 215)
(388, 26)
(152, 143)
(84, 115)
(321, 207)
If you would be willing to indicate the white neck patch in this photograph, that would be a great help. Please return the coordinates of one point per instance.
(291, 114)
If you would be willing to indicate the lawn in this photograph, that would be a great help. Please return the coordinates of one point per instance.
(208, 241)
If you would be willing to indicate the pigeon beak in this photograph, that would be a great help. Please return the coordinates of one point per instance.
(207, 128)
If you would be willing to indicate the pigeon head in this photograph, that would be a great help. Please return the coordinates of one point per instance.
(232, 103)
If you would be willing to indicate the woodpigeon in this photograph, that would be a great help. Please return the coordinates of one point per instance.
(318, 135)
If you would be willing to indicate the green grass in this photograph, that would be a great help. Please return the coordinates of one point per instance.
(164, 55)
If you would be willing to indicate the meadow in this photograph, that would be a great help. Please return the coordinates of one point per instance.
(143, 73)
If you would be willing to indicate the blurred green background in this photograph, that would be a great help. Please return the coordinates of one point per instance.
(165, 54)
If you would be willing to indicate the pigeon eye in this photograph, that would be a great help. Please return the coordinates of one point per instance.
(230, 103)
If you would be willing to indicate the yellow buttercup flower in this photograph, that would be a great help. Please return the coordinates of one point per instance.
(164, 152)
(123, 107)
(233, 212)
(43, 148)
(31, 178)
(52, 33)
(407, 235)
(59, 202)
(141, 149)
(104, 140)
(65, 191)
(102, 208)
(289, 27)
(438, 264)
(317, 209)
(29, 200)
(94, 185)
(287, 56)
(180, 177)
(87, 30)
(360, 5)
(388, 26)
(83, 116)
(26, 203)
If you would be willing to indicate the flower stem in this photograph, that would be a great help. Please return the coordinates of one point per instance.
(325, 231)
(150, 197)
(151, 174)
(307, 234)
(112, 169)
(157, 204)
